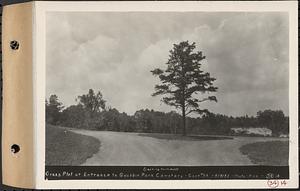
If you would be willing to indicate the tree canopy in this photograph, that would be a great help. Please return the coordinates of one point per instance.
(274, 120)
(92, 102)
(183, 79)
(53, 109)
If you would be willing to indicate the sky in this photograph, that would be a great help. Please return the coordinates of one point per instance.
(114, 52)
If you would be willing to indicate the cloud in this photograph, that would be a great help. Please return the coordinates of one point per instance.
(114, 53)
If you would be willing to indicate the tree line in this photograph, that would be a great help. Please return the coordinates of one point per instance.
(91, 112)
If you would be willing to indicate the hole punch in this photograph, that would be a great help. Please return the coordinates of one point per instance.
(15, 148)
(14, 45)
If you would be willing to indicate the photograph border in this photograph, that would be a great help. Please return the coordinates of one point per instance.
(226, 6)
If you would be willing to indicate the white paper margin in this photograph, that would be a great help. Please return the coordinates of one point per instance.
(204, 6)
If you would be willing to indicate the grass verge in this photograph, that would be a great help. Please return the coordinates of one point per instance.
(185, 138)
(275, 153)
(64, 147)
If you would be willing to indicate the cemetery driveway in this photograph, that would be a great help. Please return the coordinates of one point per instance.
(122, 148)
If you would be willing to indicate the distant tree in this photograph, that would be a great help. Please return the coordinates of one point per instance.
(127, 123)
(74, 116)
(111, 119)
(53, 110)
(182, 79)
(274, 120)
(285, 129)
(92, 102)
(143, 119)
(173, 121)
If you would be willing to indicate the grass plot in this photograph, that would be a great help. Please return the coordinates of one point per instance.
(267, 153)
(67, 148)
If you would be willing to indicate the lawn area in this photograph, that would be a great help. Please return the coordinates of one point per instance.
(67, 148)
(274, 153)
(185, 138)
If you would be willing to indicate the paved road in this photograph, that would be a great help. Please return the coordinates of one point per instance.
(120, 148)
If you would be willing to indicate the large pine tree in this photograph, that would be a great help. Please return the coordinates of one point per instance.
(183, 79)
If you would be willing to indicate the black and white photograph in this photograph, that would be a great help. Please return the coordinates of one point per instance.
(167, 89)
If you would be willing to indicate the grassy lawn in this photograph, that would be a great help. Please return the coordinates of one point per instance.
(274, 153)
(64, 147)
(186, 138)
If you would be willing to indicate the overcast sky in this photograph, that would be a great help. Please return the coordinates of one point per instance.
(114, 53)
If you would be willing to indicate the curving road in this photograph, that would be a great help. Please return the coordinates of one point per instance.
(120, 148)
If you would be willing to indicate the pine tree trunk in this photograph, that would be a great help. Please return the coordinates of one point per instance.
(183, 122)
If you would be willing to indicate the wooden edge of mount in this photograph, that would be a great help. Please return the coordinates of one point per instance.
(17, 111)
